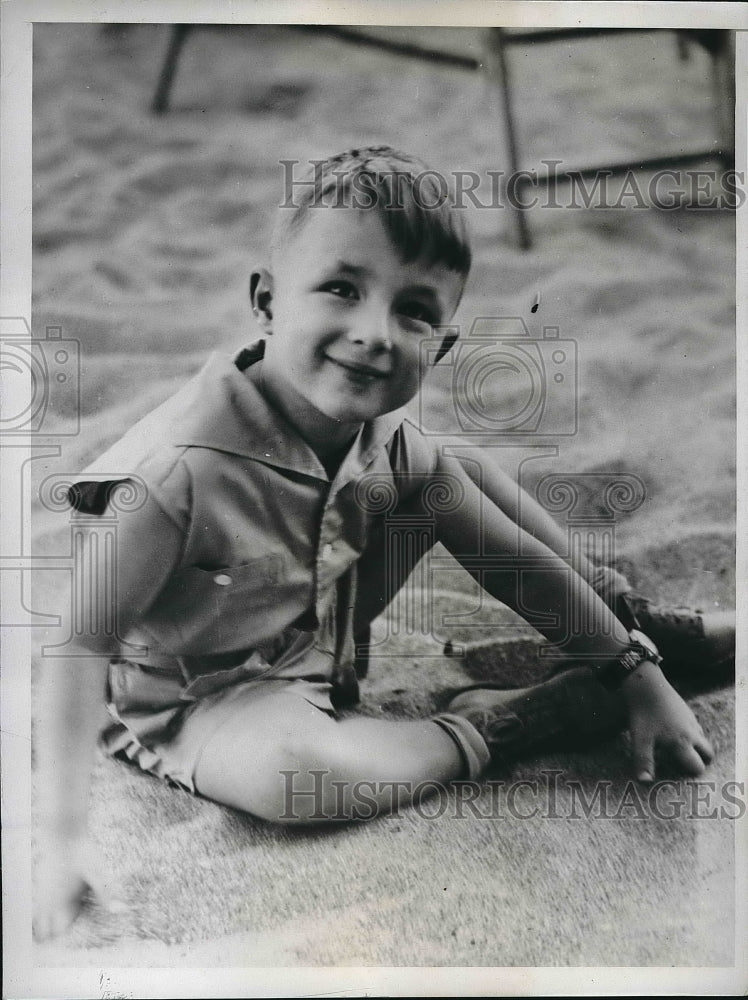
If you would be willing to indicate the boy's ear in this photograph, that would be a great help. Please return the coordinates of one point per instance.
(261, 296)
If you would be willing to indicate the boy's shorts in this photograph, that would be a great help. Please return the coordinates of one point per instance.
(162, 724)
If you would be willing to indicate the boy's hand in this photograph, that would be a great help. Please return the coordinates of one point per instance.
(65, 883)
(659, 719)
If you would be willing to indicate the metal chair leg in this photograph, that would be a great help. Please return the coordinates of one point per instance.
(498, 68)
(160, 103)
(723, 91)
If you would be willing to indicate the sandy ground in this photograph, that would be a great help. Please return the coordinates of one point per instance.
(144, 229)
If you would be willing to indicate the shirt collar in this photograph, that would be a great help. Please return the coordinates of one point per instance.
(226, 412)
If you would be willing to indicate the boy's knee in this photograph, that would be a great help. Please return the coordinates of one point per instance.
(305, 795)
(287, 766)
(303, 781)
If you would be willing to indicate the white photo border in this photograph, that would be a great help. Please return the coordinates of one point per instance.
(21, 978)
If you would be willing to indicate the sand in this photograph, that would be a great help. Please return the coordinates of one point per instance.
(144, 231)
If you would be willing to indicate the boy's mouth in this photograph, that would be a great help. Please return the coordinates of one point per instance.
(358, 370)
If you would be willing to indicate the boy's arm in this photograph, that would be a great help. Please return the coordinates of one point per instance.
(523, 509)
(72, 713)
(519, 569)
(533, 577)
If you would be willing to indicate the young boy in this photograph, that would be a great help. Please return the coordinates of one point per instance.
(253, 563)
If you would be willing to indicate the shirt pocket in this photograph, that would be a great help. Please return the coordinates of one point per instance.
(257, 577)
(226, 608)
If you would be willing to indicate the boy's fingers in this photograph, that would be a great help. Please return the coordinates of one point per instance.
(643, 753)
(704, 749)
(60, 909)
(110, 901)
(63, 919)
(689, 758)
(43, 930)
(105, 893)
(50, 925)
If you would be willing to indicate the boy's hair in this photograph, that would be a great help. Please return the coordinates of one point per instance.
(411, 199)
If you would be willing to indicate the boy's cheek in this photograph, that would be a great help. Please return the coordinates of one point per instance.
(413, 384)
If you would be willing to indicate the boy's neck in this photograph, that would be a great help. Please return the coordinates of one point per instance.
(329, 439)
(332, 461)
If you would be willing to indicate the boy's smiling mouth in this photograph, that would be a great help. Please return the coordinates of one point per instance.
(358, 370)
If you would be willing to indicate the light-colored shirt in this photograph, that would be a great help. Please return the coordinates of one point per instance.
(259, 566)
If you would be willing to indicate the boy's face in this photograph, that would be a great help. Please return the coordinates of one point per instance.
(346, 319)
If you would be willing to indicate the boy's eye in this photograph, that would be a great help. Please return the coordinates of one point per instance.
(417, 311)
(342, 289)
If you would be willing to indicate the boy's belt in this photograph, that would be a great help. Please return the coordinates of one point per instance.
(169, 681)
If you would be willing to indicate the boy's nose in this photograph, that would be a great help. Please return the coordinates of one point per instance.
(371, 330)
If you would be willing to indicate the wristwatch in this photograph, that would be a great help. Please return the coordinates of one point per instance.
(640, 648)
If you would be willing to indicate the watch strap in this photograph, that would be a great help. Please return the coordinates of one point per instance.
(614, 672)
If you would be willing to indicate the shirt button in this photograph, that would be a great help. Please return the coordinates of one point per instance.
(222, 579)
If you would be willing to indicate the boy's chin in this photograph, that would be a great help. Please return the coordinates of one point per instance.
(353, 415)
(354, 412)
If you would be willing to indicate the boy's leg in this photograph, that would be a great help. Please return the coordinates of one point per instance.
(283, 758)
(534, 519)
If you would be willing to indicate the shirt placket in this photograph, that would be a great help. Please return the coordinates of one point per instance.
(335, 596)
(335, 574)
(328, 569)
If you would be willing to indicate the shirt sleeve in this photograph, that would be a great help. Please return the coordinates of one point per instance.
(168, 483)
(414, 458)
(143, 542)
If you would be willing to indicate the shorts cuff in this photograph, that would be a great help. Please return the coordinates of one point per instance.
(471, 744)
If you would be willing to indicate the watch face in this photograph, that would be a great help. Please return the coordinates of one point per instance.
(646, 643)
